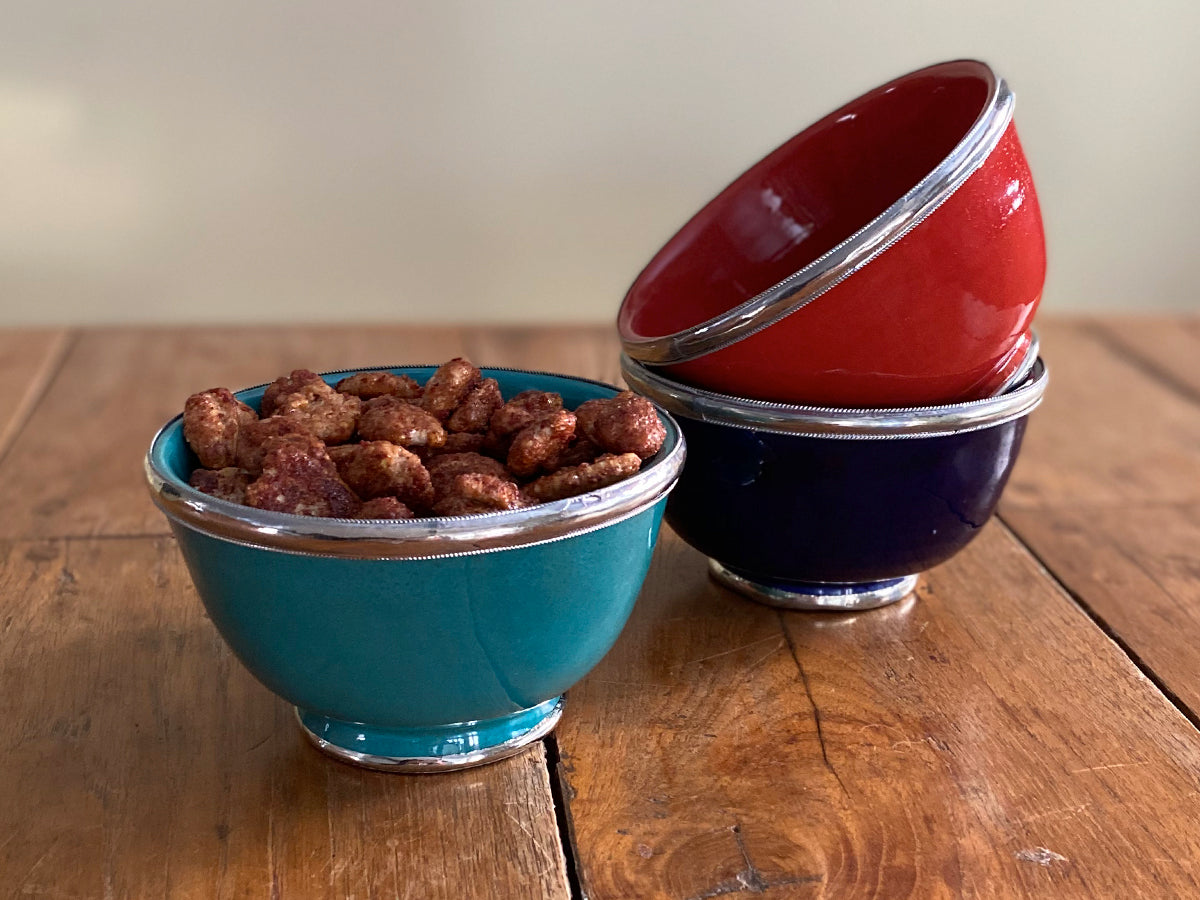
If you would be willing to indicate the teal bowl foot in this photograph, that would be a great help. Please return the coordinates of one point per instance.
(430, 749)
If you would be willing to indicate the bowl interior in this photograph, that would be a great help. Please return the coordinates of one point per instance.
(806, 197)
(171, 456)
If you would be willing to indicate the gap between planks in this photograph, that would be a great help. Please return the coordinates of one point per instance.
(1100, 622)
(1111, 340)
(49, 368)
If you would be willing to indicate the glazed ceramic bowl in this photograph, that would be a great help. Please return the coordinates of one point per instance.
(814, 508)
(890, 255)
(423, 644)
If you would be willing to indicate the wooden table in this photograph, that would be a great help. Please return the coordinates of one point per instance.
(1026, 726)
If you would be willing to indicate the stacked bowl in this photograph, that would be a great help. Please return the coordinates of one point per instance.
(844, 334)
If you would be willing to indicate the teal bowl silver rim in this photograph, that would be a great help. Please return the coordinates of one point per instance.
(423, 538)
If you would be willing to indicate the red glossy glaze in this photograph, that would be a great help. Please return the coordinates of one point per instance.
(941, 316)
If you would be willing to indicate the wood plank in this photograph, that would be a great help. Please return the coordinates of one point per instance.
(141, 760)
(983, 740)
(587, 351)
(28, 360)
(75, 469)
(1165, 346)
(1138, 570)
(1105, 492)
(1108, 433)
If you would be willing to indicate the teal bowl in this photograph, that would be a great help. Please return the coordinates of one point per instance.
(422, 644)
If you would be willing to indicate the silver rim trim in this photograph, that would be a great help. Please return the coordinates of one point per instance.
(1028, 361)
(783, 599)
(433, 764)
(839, 263)
(849, 424)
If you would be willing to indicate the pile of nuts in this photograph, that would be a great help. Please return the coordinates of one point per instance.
(381, 446)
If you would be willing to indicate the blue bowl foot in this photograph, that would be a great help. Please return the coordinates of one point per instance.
(436, 748)
(809, 595)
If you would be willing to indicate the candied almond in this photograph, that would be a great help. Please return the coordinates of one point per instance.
(369, 385)
(489, 493)
(384, 508)
(380, 468)
(394, 420)
(299, 477)
(536, 446)
(446, 468)
(523, 410)
(212, 422)
(625, 423)
(475, 411)
(228, 483)
(448, 387)
(574, 480)
(250, 450)
(459, 442)
(284, 385)
(320, 409)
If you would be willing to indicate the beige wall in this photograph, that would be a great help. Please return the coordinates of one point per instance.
(234, 160)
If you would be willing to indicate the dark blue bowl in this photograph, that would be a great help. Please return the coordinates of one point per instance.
(422, 644)
(813, 508)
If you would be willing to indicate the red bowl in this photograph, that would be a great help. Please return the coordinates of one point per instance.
(910, 213)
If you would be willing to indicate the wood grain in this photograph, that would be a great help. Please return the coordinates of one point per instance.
(1138, 571)
(1116, 520)
(75, 469)
(1166, 347)
(984, 740)
(141, 760)
(587, 351)
(1108, 433)
(28, 360)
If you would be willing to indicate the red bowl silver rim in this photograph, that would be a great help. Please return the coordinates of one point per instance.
(884, 423)
(852, 254)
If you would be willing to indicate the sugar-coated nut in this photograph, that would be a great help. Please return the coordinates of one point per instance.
(459, 442)
(380, 468)
(625, 423)
(321, 410)
(476, 493)
(461, 506)
(284, 385)
(369, 385)
(575, 480)
(448, 387)
(536, 446)
(473, 492)
(392, 419)
(384, 508)
(299, 477)
(444, 469)
(523, 410)
(419, 451)
(226, 484)
(212, 421)
(250, 450)
(586, 414)
(578, 452)
(475, 411)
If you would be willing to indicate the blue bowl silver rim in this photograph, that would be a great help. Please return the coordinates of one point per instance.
(852, 254)
(423, 538)
(881, 423)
